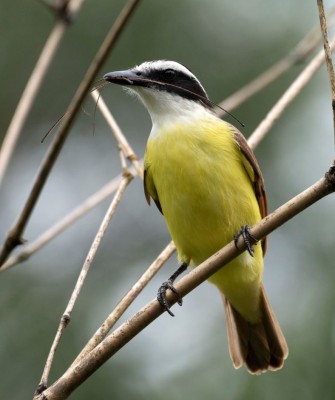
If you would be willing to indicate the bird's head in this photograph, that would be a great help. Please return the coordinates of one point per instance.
(164, 87)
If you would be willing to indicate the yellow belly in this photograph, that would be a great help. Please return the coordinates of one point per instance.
(206, 195)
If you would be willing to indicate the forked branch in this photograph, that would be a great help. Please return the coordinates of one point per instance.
(65, 319)
(14, 236)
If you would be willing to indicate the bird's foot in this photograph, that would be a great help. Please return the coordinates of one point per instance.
(248, 238)
(161, 294)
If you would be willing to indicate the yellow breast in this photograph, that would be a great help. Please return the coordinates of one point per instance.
(195, 171)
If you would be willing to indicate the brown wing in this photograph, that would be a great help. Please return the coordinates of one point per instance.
(150, 190)
(255, 175)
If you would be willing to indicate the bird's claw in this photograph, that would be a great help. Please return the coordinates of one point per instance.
(161, 296)
(245, 232)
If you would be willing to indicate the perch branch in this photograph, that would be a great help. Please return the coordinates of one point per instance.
(77, 374)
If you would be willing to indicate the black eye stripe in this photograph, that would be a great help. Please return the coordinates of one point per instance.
(170, 73)
(179, 83)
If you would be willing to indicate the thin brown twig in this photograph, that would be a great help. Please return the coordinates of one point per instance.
(328, 55)
(55, 230)
(31, 90)
(77, 374)
(14, 237)
(65, 319)
(300, 52)
(126, 301)
(60, 8)
(289, 95)
(119, 136)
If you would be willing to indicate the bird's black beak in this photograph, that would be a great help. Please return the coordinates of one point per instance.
(128, 77)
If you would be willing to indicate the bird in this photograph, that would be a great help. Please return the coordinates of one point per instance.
(205, 180)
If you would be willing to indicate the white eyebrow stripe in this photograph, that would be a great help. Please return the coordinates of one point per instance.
(163, 64)
(166, 64)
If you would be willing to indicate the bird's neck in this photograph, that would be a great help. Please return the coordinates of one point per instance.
(168, 110)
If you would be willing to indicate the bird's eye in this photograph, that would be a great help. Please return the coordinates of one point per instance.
(138, 73)
(169, 74)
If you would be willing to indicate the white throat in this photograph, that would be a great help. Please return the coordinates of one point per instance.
(166, 108)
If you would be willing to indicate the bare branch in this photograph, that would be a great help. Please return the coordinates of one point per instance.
(125, 151)
(290, 94)
(65, 319)
(74, 376)
(14, 236)
(89, 203)
(65, 222)
(119, 136)
(300, 52)
(328, 55)
(34, 83)
(122, 306)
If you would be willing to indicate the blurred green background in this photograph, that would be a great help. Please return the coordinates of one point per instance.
(226, 44)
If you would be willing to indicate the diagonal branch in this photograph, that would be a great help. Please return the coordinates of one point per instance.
(65, 319)
(126, 301)
(65, 222)
(296, 56)
(34, 83)
(329, 62)
(119, 136)
(14, 236)
(77, 374)
(286, 99)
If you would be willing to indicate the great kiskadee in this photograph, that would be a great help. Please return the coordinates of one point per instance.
(205, 180)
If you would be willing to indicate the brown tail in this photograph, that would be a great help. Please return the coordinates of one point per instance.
(262, 346)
